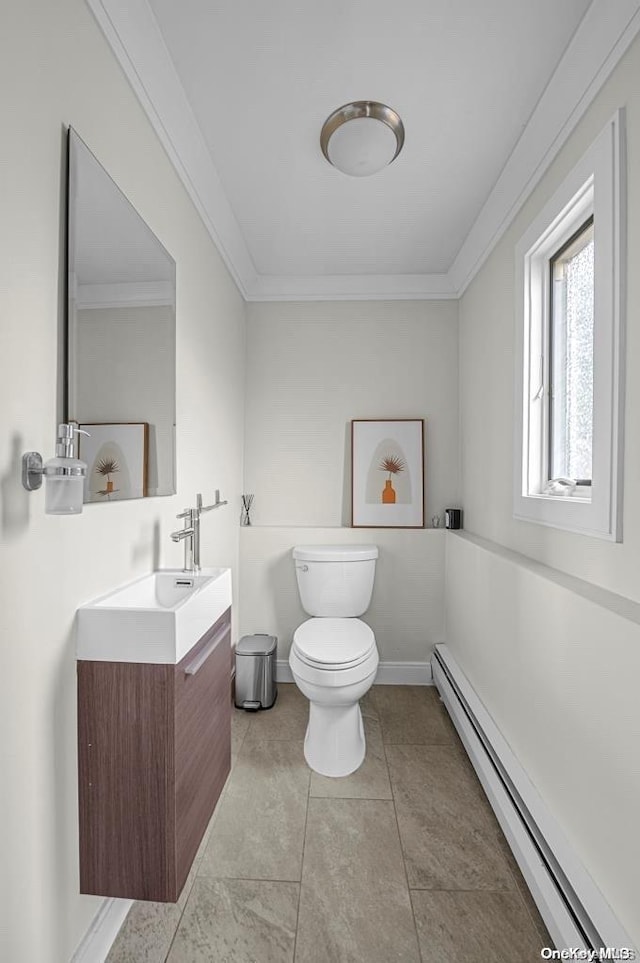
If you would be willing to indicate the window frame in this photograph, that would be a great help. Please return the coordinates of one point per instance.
(594, 187)
(551, 380)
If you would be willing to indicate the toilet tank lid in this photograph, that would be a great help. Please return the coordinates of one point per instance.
(335, 553)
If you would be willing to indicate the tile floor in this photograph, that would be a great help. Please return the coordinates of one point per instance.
(404, 860)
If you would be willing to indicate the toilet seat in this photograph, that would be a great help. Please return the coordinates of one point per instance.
(332, 644)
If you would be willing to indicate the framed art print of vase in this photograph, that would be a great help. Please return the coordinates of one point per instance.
(387, 473)
(116, 457)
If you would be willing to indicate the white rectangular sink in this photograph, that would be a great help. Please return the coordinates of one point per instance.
(156, 619)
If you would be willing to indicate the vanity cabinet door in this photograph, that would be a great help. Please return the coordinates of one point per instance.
(202, 739)
(125, 779)
(154, 751)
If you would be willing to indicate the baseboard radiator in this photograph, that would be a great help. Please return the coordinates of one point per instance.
(573, 909)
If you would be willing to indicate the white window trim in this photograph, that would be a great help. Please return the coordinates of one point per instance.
(595, 185)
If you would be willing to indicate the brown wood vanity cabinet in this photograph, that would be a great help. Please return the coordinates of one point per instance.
(154, 751)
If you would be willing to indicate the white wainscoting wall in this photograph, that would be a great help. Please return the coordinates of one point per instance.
(407, 611)
(556, 661)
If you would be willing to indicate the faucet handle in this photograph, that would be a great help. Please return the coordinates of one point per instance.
(184, 513)
(207, 508)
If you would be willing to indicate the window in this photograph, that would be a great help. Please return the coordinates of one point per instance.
(568, 349)
(571, 358)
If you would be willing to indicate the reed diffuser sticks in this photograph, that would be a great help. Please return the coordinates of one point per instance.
(247, 501)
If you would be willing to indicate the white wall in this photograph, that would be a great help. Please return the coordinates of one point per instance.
(487, 322)
(56, 69)
(557, 662)
(125, 372)
(311, 368)
(558, 673)
(407, 609)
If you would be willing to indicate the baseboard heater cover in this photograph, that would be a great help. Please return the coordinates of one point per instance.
(572, 907)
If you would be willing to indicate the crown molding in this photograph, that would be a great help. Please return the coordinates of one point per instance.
(602, 37)
(123, 294)
(137, 42)
(352, 287)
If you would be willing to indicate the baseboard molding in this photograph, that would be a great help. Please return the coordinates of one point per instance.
(389, 673)
(102, 932)
(283, 671)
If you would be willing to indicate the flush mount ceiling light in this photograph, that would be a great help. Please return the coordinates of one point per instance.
(362, 137)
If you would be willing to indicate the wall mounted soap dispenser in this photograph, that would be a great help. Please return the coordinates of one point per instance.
(64, 474)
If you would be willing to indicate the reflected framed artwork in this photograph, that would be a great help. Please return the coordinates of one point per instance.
(387, 473)
(116, 458)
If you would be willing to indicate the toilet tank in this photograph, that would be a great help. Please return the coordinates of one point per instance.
(335, 581)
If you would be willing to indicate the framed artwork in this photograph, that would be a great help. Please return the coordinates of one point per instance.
(116, 458)
(387, 473)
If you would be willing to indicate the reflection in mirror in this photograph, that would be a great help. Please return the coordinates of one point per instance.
(120, 338)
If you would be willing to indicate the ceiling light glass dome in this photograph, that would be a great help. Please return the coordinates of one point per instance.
(361, 138)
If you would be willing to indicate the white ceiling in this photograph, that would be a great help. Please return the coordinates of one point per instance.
(238, 90)
(262, 77)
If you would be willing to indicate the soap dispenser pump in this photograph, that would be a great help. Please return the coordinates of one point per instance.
(64, 474)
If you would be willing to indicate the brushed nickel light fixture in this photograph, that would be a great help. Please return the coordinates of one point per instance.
(362, 137)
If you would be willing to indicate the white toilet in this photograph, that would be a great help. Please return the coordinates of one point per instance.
(333, 657)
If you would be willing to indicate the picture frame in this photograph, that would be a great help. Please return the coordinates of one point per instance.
(116, 455)
(387, 473)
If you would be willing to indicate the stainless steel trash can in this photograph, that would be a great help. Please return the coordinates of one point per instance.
(256, 672)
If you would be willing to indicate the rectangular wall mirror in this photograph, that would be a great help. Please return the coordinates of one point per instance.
(121, 360)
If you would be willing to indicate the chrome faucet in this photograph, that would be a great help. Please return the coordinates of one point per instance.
(190, 534)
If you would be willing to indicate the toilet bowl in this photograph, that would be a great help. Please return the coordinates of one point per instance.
(333, 655)
(334, 744)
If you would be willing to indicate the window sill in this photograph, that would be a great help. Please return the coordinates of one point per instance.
(550, 497)
(571, 513)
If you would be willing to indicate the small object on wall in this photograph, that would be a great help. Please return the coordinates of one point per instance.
(394, 448)
(247, 502)
(435, 521)
(64, 475)
(453, 518)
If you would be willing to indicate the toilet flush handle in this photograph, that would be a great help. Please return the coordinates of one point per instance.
(303, 568)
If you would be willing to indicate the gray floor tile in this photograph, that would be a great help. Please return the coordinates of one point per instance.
(146, 934)
(450, 837)
(368, 704)
(525, 893)
(239, 724)
(285, 721)
(237, 921)
(467, 927)
(258, 832)
(186, 889)
(370, 781)
(354, 900)
(470, 900)
(193, 872)
(413, 715)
